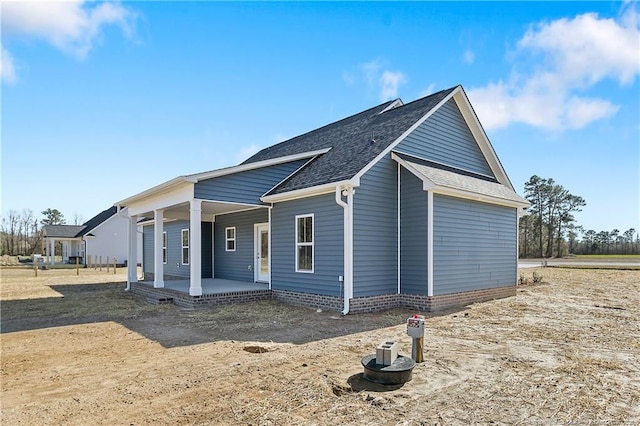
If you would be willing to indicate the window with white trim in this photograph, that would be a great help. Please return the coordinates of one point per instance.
(304, 243)
(230, 238)
(185, 246)
(164, 247)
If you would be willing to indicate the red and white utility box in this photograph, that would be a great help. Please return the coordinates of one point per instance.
(415, 329)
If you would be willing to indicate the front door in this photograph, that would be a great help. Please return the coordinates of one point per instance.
(262, 252)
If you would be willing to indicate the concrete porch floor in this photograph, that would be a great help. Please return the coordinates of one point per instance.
(211, 286)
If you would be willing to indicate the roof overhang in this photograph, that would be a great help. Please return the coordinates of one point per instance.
(308, 192)
(460, 186)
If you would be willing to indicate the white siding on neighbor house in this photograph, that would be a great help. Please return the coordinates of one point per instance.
(245, 187)
(474, 245)
(328, 243)
(413, 235)
(238, 264)
(375, 231)
(111, 239)
(445, 138)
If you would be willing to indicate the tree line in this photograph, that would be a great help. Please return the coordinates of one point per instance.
(550, 229)
(21, 232)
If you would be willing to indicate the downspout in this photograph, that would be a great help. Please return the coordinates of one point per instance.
(347, 246)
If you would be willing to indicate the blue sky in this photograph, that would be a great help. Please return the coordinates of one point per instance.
(101, 101)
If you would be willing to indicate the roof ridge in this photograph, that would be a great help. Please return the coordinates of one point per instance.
(381, 106)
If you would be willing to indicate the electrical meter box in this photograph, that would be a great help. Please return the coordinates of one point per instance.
(415, 326)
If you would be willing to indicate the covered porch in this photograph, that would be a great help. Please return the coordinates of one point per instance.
(215, 291)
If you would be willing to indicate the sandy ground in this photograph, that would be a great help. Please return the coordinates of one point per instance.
(566, 350)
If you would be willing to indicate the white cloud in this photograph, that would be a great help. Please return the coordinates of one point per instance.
(7, 67)
(389, 82)
(70, 26)
(377, 76)
(428, 91)
(247, 152)
(468, 57)
(576, 55)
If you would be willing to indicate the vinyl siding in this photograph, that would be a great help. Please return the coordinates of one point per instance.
(413, 235)
(174, 264)
(328, 246)
(375, 231)
(245, 187)
(474, 245)
(237, 265)
(445, 138)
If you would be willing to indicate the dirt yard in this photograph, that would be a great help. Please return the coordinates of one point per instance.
(79, 350)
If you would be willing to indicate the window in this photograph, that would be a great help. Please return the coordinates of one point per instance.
(185, 246)
(304, 243)
(164, 247)
(230, 238)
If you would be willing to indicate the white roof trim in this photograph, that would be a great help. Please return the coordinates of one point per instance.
(449, 183)
(306, 192)
(356, 179)
(481, 137)
(256, 165)
(398, 102)
(195, 178)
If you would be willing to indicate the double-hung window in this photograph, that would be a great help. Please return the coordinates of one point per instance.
(164, 247)
(304, 243)
(185, 246)
(230, 238)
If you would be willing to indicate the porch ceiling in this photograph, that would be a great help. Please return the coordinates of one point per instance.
(209, 208)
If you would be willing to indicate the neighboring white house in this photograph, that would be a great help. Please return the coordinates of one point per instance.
(102, 236)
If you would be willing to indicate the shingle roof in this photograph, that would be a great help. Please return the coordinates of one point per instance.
(350, 141)
(447, 179)
(98, 219)
(77, 231)
(63, 231)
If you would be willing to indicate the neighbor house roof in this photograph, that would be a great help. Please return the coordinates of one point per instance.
(77, 231)
(354, 142)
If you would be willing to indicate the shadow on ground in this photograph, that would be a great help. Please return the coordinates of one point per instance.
(171, 326)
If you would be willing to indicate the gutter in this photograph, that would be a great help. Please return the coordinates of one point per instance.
(348, 243)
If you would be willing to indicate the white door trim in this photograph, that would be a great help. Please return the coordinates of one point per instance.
(258, 228)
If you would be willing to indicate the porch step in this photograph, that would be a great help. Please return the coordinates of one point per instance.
(160, 300)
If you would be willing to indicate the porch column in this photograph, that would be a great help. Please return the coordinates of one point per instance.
(132, 252)
(53, 251)
(195, 248)
(47, 249)
(158, 267)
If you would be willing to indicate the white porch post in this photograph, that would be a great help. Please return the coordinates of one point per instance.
(195, 247)
(47, 251)
(53, 251)
(132, 254)
(158, 267)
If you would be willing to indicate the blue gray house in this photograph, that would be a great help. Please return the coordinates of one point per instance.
(399, 205)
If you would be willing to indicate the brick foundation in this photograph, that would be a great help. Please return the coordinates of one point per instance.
(357, 305)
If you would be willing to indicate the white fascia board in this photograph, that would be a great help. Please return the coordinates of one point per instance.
(307, 192)
(410, 130)
(257, 165)
(429, 185)
(481, 138)
(179, 193)
(474, 196)
(163, 187)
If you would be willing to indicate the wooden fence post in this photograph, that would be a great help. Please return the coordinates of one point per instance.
(107, 264)
(35, 266)
(114, 265)
(77, 265)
